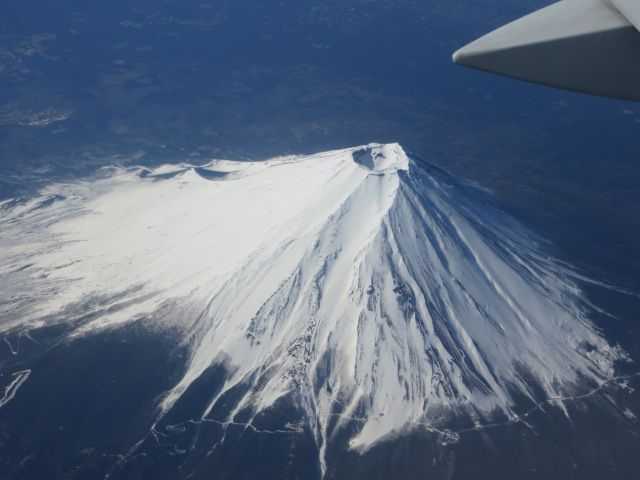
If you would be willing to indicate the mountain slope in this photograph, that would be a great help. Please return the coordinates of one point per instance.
(360, 285)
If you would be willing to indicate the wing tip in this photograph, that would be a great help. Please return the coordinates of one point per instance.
(458, 56)
(464, 55)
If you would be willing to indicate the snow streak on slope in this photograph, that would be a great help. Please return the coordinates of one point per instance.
(357, 282)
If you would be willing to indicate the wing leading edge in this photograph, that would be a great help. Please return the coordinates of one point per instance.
(590, 46)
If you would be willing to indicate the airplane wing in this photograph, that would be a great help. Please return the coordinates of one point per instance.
(590, 46)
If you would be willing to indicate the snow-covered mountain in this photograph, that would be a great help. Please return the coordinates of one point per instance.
(360, 284)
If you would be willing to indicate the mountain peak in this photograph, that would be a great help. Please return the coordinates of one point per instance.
(382, 158)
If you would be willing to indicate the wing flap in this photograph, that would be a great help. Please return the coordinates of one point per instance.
(630, 9)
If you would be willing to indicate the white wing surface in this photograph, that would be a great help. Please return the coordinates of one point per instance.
(590, 46)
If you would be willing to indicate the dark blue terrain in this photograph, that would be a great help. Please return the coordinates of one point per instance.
(87, 84)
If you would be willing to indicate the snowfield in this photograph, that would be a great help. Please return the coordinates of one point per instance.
(359, 282)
